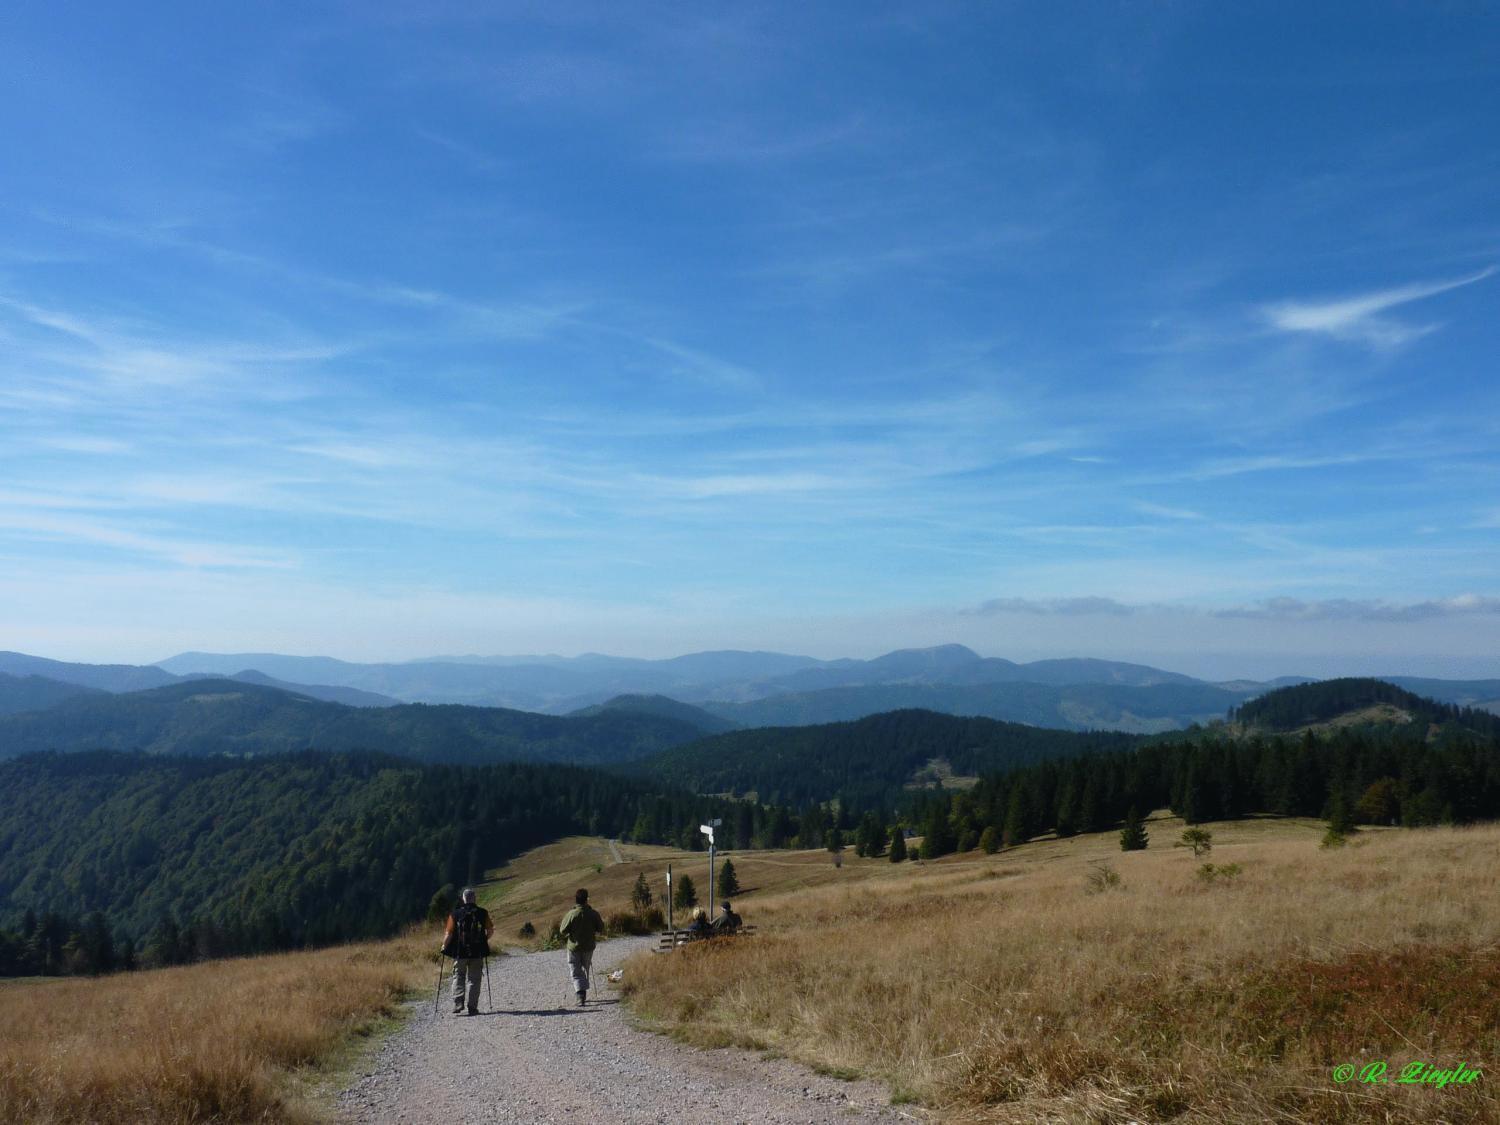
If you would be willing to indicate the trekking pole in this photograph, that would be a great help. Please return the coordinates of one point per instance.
(488, 991)
(438, 994)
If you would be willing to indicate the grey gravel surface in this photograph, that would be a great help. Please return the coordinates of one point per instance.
(539, 1058)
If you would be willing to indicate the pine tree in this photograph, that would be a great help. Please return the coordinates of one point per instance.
(898, 845)
(937, 835)
(729, 884)
(989, 841)
(640, 894)
(685, 895)
(1133, 837)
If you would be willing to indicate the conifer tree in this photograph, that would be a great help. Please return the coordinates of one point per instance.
(729, 884)
(989, 841)
(1133, 837)
(898, 845)
(684, 894)
(640, 894)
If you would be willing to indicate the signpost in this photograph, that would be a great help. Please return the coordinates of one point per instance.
(708, 830)
(669, 898)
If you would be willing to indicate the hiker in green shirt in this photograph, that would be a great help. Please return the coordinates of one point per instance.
(582, 927)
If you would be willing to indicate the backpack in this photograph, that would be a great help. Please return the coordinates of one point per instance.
(468, 933)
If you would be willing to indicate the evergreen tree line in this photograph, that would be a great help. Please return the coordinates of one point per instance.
(189, 857)
(52, 944)
(1392, 775)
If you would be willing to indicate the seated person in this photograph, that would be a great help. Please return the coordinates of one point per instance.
(699, 927)
(727, 922)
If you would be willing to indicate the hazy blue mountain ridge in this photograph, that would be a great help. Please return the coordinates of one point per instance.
(35, 693)
(218, 716)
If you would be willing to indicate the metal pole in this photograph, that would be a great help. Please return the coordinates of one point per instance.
(711, 854)
(670, 926)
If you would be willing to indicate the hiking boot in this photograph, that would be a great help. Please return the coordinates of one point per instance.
(473, 1011)
(583, 998)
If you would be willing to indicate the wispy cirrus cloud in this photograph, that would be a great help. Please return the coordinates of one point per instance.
(1357, 319)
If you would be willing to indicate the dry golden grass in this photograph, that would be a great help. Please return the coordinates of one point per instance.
(214, 1042)
(538, 887)
(1000, 989)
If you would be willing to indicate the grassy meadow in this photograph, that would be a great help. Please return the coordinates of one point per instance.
(1005, 988)
(538, 887)
(991, 988)
(234, 1040)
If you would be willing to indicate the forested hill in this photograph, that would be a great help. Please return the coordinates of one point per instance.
(294, 849)
(1137, 708)
(1411, 773)
(32, 693)
(705, 721)
(1355, 699)
(203, 717)
(866, 763)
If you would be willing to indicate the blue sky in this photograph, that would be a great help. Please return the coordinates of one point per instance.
(1159, 332)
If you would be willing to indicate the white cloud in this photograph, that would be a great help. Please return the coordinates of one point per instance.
(1357, 319)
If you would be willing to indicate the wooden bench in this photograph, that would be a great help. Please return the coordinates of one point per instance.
(668, 940)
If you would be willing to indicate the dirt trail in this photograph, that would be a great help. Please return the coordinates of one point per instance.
(538, 1058)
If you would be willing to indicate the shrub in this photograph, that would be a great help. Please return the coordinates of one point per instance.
(441, 904)
(1222, 873)
(527, 930)
(1201, 840)
(625, 922)
(1101, 877)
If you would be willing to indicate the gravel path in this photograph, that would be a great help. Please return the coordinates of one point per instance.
(537, 1058)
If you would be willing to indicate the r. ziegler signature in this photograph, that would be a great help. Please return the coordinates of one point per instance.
(1415, 1073)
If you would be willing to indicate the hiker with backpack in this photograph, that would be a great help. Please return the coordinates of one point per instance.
(581, 926)
(467, 940)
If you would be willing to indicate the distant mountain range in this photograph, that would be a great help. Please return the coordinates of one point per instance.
(725, 682)
(39, 672)
(719, 691)
(208, 716)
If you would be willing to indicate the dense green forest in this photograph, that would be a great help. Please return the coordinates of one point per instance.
(1444, 769)
(231, 716)
(863, 764)
(53, 944)
(1309, 704)
(207, 856)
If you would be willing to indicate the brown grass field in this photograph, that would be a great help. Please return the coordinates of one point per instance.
(1001, 989)
(990, 988)
(214, 1042)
